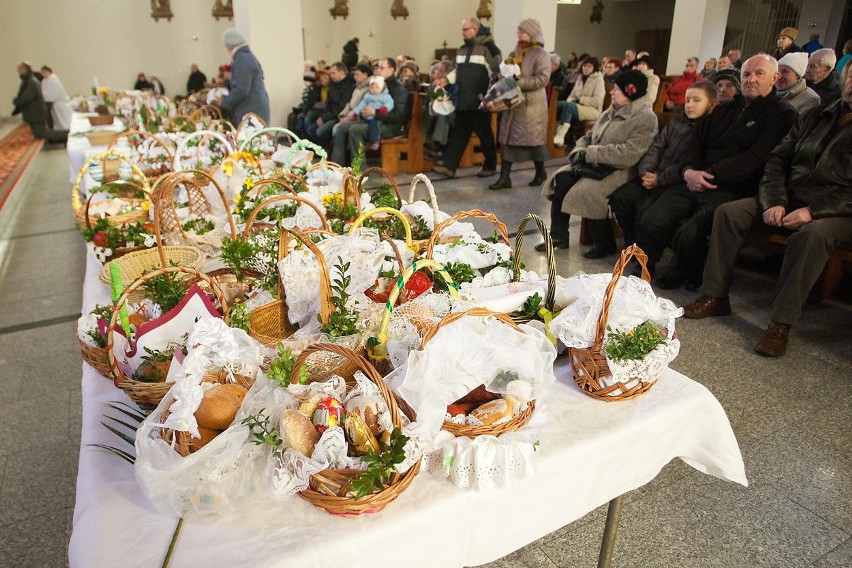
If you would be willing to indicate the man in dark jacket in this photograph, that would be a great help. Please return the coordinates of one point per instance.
(339, 92)
(722, 162)
(29, 102)
(476, 61)
(246, 91)
(196, 80)
(350, 53)
(351, 134)
(805, 193)
(820, 75)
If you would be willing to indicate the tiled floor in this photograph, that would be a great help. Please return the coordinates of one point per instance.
(790, 415)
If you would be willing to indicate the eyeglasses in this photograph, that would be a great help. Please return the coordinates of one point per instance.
(465, 29)
(380, 67)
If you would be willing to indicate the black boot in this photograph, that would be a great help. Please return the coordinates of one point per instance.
(602, 237)
(540, 174)
(504, 182)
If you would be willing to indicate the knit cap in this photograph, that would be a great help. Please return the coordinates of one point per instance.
(232, 38)
(797, 62)
(533, 28)
(377, 80)
(791, 33)
(732, 74)
(633, 83)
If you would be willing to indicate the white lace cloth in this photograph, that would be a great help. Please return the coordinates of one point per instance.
(472, 250)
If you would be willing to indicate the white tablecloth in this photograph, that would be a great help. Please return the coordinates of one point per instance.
(590, 453)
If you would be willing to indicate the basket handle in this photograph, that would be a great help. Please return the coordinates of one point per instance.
(142, 134)
(277, 180)
(551, 259)
(627, 254)
(244, 145)
(395, 212)
(473, 312)
(209, 110)
(248, 116)
(76, 200)
(133, 185)
(113, 320)
(324, 165)
(433, 199)
(382, 336)
(350, 185)
(199, 134)
(385, 175)
(324, 274)
(436, 235)
(276, 198)
(163, 198)
(363, 365)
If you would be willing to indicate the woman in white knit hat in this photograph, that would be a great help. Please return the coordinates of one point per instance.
(791, 82)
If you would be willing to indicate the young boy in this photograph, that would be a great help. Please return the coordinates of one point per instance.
(377, 97)
(659, 169)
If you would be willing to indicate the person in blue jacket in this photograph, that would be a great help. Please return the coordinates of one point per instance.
(246, 91)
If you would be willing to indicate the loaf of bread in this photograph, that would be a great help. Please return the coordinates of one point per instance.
(207, 435)
(219, 406)
(298, 432)
(491, 412)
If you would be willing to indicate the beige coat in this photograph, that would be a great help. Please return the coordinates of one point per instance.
(526, 124)
(653, 86)
(589, 96)
(619, 138)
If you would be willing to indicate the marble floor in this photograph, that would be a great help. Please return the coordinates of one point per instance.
(791, 415)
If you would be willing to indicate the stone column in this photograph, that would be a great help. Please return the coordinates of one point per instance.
(698, 29)
(273, 29)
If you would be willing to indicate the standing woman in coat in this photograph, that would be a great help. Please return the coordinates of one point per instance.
(619, 139)
(246, 91)
(523, 129)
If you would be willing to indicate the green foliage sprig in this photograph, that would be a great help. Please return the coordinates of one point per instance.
(166, 289)
(381, 465)
(530, 308)
(634, 344)
(198, 225)
(236, 255)
(384, 196)
(261, 432)
(460, 272)
(343, 319)
(282, 367)
(357, 163)
(238, 316)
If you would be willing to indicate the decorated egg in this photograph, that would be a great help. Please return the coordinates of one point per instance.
(328, 414)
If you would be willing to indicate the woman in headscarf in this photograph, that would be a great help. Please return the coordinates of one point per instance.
(523, 129)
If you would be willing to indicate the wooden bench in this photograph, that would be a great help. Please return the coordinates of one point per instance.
(831, 277)
(405, 152)
(553, 150)
(659, 108)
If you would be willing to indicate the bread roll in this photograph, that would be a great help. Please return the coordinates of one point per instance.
(207, 435)
(298, 432)
(219, 406)
(367, 407)
(491, 412)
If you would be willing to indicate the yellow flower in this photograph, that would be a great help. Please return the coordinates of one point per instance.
(228, 168)
(249, 183)
(146, 205)
(103, 90)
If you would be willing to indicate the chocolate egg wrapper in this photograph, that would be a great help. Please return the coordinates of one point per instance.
(359, 434)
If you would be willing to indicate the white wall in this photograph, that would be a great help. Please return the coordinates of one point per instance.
(618, 30)
(429, 23)
(112, 40)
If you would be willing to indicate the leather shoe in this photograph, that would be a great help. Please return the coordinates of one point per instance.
(600, 252)
(484, 173)
(706, 307)
(774, 340)
(444, 171)
(557, 244)
(537, 180)
(502, 183)
(371, 146)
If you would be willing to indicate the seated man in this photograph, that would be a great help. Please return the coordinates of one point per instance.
(820, 75)
(723, 162)
(806, 193)
(728, 85)
(791, 82)
(349, 135)
(340, 89)
(676, 92)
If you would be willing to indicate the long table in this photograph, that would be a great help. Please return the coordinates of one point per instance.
(591, 452)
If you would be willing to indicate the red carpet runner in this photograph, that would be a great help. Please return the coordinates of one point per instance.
(17, 150)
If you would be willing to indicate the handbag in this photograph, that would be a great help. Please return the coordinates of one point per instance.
(597, 172)
(505, 94)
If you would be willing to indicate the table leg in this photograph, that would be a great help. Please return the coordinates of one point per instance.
(613, 515)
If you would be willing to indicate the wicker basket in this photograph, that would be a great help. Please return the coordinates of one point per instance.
(386, 211)
(181, 438)
(78, 204)
(101, 137)
(328, 488)
(202, 136)
(551, 263)
(475, 213)
(385, 175)
(473, 431)
(85, 218)
(421, 244)
(589, 364)
(95, 357)
(101, 119)
(147, 395)
(377, 349)
(133, 265)
(146, 140)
